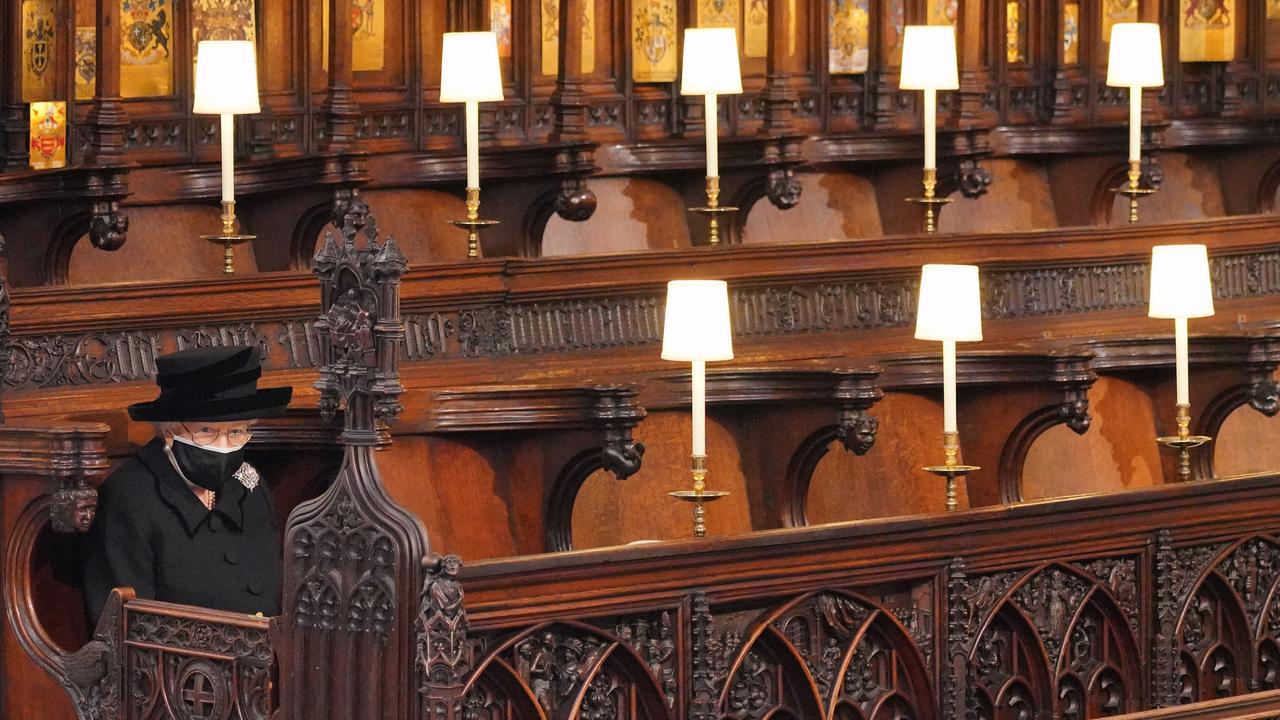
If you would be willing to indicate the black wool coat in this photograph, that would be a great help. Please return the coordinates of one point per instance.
(153, 534)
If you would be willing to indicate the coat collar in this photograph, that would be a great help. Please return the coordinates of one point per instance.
(173, 491)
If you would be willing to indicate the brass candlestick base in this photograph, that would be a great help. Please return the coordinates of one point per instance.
(229, 237)
(1133, 191)
(473, 224)
(932, 204)
(1184, 441)
(949, 470)
(713, 210)
(699, 495)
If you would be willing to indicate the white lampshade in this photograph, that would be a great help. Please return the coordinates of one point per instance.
(226, 78)
(950, 303)
(469, 68)
(929, 58)
(1180, 285)
(1135, 59)
(710, 62)
(697, 321)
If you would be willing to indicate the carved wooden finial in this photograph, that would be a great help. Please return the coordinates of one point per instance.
(353, 557)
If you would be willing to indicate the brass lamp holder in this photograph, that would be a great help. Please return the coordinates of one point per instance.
(950, 469)
(713, 210)
(931, 202)
(473, 224)
(1184, 441)
(229, 237)
(1132, 191)
(699, 495)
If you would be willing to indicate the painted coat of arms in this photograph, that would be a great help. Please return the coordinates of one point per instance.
(1071, 33)
(146, 63)
(39, 25)
(718, 13)
(1208, 31)
(48, 135)
(653, 44)
(222, 20)
(86, 62)
(850, 34)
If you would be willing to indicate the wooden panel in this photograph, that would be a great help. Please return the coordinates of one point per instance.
(164, 244)
(609, 512)
(880, 484)
(836, 205)
(1113, 455)
(1022, 200)
(1191, 190)
(1248, 442)
(419, 221)
(633, 214)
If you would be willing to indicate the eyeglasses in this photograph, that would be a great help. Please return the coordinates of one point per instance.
(208, 435)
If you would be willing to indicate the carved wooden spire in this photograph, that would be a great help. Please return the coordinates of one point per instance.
(353, 557)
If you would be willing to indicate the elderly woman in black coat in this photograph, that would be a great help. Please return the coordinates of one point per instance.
(186, 520)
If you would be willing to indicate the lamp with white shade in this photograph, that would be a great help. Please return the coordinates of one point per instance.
(1180, 290)
(711, 69)
(470, 74)
(929, 64)
(950, 311)
(226, 84)
(696, 330)
(1135, 61)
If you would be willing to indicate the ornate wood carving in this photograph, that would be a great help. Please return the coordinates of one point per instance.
(352, 554)
(457, 327)
(443, 655)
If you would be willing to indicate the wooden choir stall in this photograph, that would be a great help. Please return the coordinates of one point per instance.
(473, 484)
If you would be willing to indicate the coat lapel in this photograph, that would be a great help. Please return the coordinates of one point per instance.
(172, 489)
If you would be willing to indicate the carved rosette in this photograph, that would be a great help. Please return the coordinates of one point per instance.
(352, 553)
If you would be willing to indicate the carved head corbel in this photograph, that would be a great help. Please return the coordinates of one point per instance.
(72, 509)
(857, 430)
(1074, 410)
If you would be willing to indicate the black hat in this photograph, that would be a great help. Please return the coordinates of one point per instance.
(211, 384)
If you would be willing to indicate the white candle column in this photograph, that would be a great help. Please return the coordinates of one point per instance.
(1180, 360)
(473, 143)
(930, 129)
(228, 157)
(1135, 124)
(949, 386)
(713, 129)
(699, 408)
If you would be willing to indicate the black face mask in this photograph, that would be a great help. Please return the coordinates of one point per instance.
(209, 469)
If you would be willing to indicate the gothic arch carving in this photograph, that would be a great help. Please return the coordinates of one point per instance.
(567, 669)
(827, 654)
(1057, 638)
(1228, 625)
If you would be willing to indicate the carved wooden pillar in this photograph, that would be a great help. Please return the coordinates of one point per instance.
(14, 121)
(569, 102)
(974, 103)
(779, 94)
(1242, 78)
(354, 557)
(107, 120)
(340, 111)
(106, 126)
